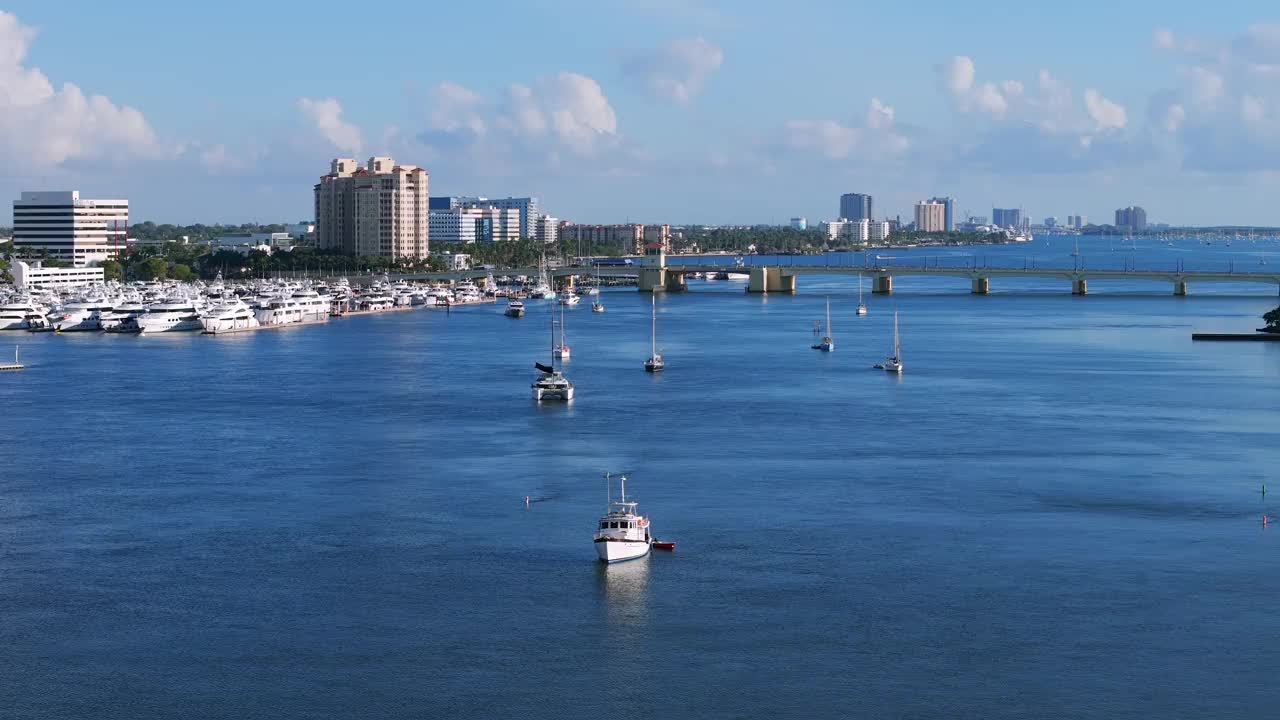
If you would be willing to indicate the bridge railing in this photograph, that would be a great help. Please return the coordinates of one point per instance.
(952, 263)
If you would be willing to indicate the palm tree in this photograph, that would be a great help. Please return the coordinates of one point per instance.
(1272, 319)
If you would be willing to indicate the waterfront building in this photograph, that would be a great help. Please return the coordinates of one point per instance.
(1131, 219)
(949, 206)
(379, 209)
(877, 231)
(275, 240)
(454, 262)
(34, 276)
(931, 216)
(854, 231)
(548, 230)
(302, 231)
(1007, 218)
(65, 226)
(660, 234)
(799, 223)
(626, 238)
(855, 206)
(1051, 221)
(474, 224)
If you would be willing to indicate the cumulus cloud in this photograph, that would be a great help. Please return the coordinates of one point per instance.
(876, 138)
(553, 122)
(677, 71)
(326, 117)
(43, 125)
(1106, 114)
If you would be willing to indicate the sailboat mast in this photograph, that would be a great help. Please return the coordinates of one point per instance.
(829, 318)
(622, 481)
(897, 346)
(653, 325)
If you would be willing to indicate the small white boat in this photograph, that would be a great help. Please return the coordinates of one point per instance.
(827, 343)
(515, 309)
(654, 363)
(862, 308)
(893, 363)
(623, 534)
(568, 297)
(597, 307)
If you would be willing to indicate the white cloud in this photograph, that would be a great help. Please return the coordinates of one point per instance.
(41, 126)
(957, 74)
(1163, 39)
(677, 71)
(326, 116)
(876, 139)
(1106, 114)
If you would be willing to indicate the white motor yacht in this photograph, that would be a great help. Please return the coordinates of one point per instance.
(568, 297)
(515, 309)
(623, 534)
(174, 315)
(231, 315)
(314, 306)
(20, 314)
(82, 315)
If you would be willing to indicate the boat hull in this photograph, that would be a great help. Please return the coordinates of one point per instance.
(552, 395)
(615, 551)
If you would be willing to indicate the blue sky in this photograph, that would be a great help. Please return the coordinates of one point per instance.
(652, 110)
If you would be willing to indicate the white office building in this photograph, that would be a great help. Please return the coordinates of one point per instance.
(877, 231)
(66, 227)
(548, 229)
(34, 276)
(474, 224)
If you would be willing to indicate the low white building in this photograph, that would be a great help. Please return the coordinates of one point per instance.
(34, 276)
(877, 231)
(548, 229)
(275, 240)
(455, 261)
(858, 231)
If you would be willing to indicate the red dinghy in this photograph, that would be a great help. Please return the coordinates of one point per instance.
(668, 546)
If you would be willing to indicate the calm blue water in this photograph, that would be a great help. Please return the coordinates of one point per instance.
(1055, 512)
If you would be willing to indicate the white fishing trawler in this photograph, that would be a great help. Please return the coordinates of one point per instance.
(623, 534)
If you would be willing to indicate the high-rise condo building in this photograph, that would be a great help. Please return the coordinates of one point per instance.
(1007, 217)
(379, 209)
(855, 206)
(931, 216)
(949, 205)
(1133, 219)
(63, 226)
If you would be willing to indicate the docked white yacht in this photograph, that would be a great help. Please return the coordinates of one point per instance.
(82, 315)
(120, 319)
(569, 298)
(231, 315)
(623, 534)
(20, 314)
(174, 315)
(292, 310)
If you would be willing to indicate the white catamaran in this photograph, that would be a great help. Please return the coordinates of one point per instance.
(551, 383)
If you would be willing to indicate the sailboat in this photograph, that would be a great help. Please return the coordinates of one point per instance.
(862, 309)
(596, 305)
(1076, 252)
(655, 363)
(827, 344)
(560, 351)
(893, 363)
(551, 383)
(543, 288)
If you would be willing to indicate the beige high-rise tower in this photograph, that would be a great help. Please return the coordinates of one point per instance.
(379, 209)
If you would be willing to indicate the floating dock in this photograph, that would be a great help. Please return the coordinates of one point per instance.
(1238, 337)
(15, 365)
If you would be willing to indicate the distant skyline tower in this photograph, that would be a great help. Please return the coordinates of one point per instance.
(949, 207)
(1007, 217)
(855, 206)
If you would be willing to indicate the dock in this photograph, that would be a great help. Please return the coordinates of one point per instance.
(1238, 337)
(15, 365)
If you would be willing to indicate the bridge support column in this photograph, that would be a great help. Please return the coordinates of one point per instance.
(782, 283)
(756, 282)
(652, 279)
(882, 285)
(1079, 286)
(676, 282)
(981, 286)
(1180, 288)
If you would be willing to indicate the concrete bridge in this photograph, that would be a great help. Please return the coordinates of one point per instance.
(670, 274)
